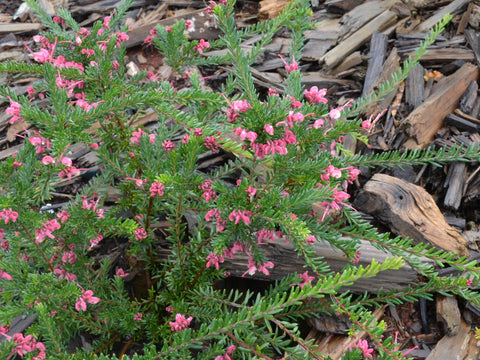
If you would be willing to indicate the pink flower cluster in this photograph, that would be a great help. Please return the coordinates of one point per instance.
(363, 345)
(315, 96)
(181, 322)
(46, 230)
(240, 215)
(208, 192)
(25, 345)
(14, 110)
(201, 45)
(157, 188)
(86, 297)
(8, 215)
(227, 354)
(216, 214)
(253, 268)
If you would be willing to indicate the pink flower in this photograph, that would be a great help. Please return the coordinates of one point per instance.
(289, 67)
(269, 129)
(202, 45)
(136, 135)
(214, 260)
(95, 241)
(197, 132)
(252, 268)
(140, 234)
(66, 161)
(168, 145)
(137, 317)
(251, 191)
(157, 188)
(353, 174)
(88, 52)
(8, 214)
(69, 172)
(369, 124)
(47, 230)
(210, 142)
(212, 214)
(181, 322)
(86, 297)
(363, 345)
(106, 22)
(315, 96)
(306, 279)
(4, 275)
(14, 110)
(46, 160)
(229, 352)
(310, 240)
(243, 215)
(121, 273)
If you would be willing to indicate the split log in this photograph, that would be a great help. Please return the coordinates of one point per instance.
(353, 42)
(281, 253)
(427, 119)
(410, 211)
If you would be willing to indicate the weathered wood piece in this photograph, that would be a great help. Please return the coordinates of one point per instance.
(341, 6)
(448, 314)
(270, 9)
(414, 87)
(410, 211)
(362, 14)
(455, 181)
(378, 52)
(427, 119)
(353, 42)
(446, 55)
(349, 62)
(461, 123)
(391, 66)
(461, 346)
(19, 27)
(453, 8)
(468, 99)
(473, 38)
(288, 262)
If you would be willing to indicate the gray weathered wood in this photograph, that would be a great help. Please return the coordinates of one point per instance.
(378, 52)
(468, 99)
(353, 42)
(455, 181)
(453, 8)
(414, 87)
(288, 262)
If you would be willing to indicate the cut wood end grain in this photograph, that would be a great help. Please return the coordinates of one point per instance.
(409, 211)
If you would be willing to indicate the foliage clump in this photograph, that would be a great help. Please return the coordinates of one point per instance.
(147, 189)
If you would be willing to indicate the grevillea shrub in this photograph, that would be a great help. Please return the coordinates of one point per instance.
(129, 261)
